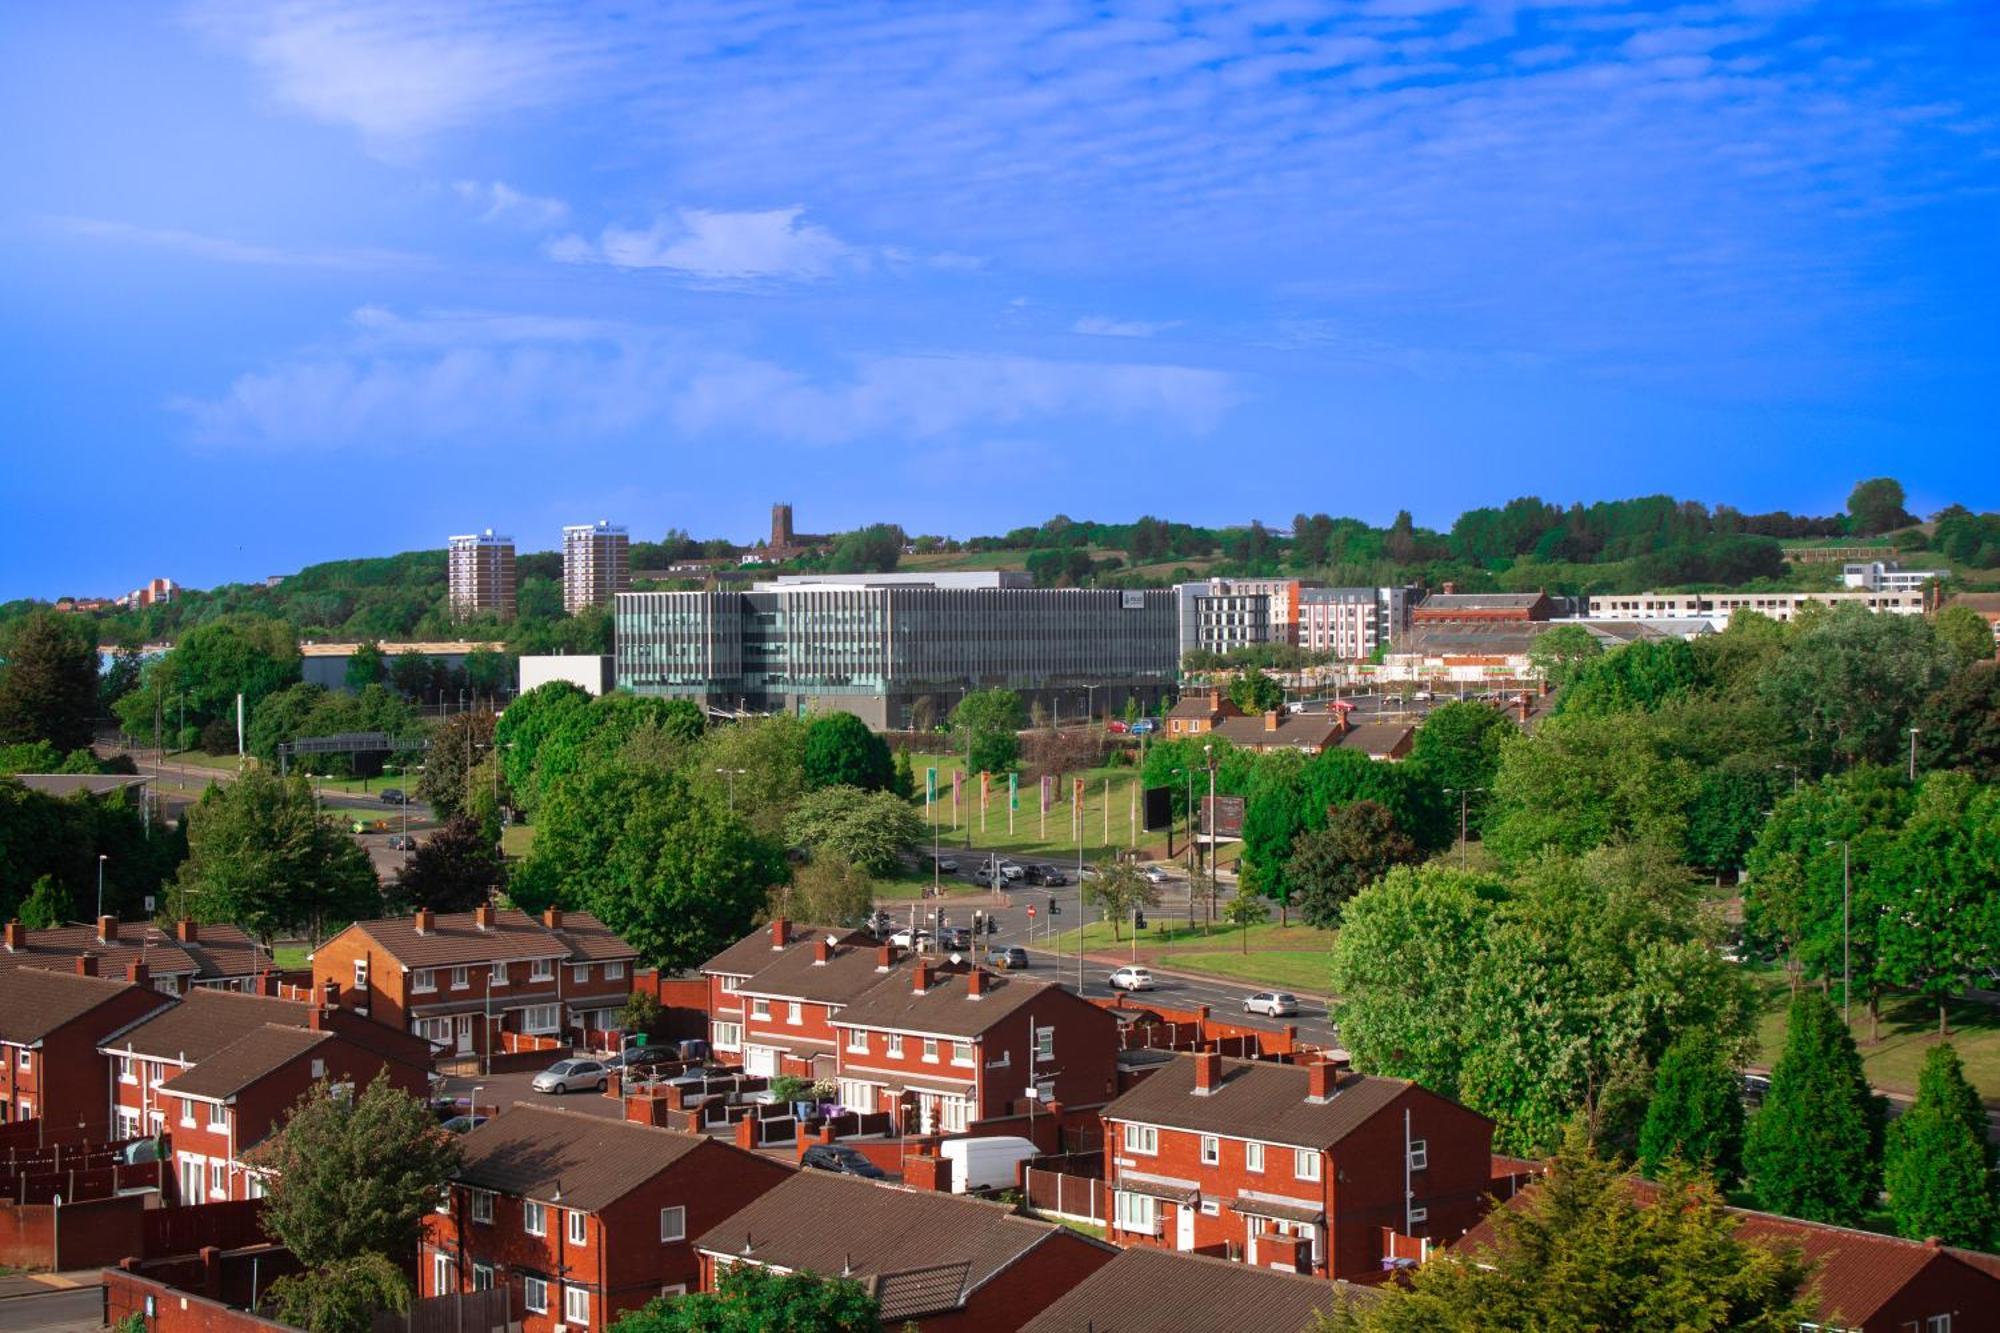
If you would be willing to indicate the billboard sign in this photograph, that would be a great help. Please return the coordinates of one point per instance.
(1159, 808)
(1222, 817)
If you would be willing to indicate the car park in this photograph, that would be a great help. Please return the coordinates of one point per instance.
(1012, 958)
(1272, 1004)
(842, 1160)
(572, 1076)
(1130, 978)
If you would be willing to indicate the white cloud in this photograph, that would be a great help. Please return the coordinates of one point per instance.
(722, 247)
(1102, 326)
(498, 201)
(226, 249)
(476, 376)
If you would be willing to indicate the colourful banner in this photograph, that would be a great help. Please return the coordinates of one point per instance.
(1013, 791)
(930, 786)
(1048, 792)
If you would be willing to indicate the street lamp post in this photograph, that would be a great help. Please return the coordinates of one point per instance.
(1846, 938)
(1913, 754)
(1463, 794)
(1208, 753)
(101, 859)
(732, 774)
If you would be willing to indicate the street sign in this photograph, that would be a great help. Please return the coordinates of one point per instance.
(639, 1040)
(1031, 913)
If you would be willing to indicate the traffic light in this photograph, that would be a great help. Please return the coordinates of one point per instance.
(1138, 920)
(1052, 902)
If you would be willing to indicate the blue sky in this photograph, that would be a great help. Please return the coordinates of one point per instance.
(282, 282)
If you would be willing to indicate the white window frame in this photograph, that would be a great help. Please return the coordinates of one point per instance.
(541, 1019)
(480, 1204)
(1420, 1154)
(541, 969)
(1211, 1150)
(534, 1218)
(361, 974)
(187, 1112)
(795, 1014)
(1143, 1139)
(482, 1277)
(962, 1054)
(930, 1050)
(614, 971)
(444, 1274)
(424, 980)
(26, 1059)
(218, 1178)
(954, 1114)
(1419, 1216)
(535, 1295)
(218, 1116)
(895, 1045)
(760, 1007)
(576, 1305)
(461, 979)
(1253, 1158)
(576, 1228)
(857, 1040)
(1137, 1212)
(579, 974)
(1045, 1044)
(1305, 1164)
(725, 1036)
(673, 1224)
(318, 1068)
(496, 975)
(729, 985)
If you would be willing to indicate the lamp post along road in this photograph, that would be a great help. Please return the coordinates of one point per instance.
(101, 859)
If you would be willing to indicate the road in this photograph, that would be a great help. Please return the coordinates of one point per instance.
(75, 1308)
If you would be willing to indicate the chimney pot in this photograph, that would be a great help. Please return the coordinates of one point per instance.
(138, 973)
(552, 917)
(885, 957)
(1322, 1076)
(17, 937)
(821, 951)
(482, 916)
(781, 932)
(1207, 1071)
(186, 931)
(107, 929)
(426, 920)
(316, 1019)
(1271, 720)
(921, 981)
(86, 964)
(975, 984)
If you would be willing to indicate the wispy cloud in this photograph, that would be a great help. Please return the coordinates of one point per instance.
(225, 249)
(1102, 326)
(498, 377)
(497, 201)
(722, 247)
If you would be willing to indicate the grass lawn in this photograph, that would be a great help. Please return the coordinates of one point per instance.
(1289, 957)
(910, 886)
(1909, 1029)
(292, 957)
(516, 839)
(1085, 1228)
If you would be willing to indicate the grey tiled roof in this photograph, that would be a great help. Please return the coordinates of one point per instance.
(204, 1022)
(35, 1002)
(1146, 1289)
(531, 1151)
(1259, 1100)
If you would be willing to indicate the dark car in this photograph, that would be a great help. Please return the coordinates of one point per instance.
(394, 796)
(1053, 876)
(1009, 959)
(402, 842)
(641, 1057)
(842, 1161)
(955, 937)
(1036, 875)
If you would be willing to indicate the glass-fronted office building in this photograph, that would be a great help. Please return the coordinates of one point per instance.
(880, 646)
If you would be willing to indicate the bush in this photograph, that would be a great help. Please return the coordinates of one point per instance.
(219, 736)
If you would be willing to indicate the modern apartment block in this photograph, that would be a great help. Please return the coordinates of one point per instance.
(1222, 614)
(1717, 608)
(482, 575)
(1886, 576)
(597, 564)
(879, 645)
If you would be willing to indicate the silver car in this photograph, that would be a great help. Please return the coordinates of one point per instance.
(1274, 1003)
(572, 1076)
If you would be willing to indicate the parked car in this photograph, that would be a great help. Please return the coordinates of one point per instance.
(841, 1160)
(985, 1163)
(1010, 871)
(1009, 959)
(697, 1074)
(394, 796)
(881, 924)
(465, 1124)
(1117, 727)
(402, 842)
(641, 1057)
(572, 1076)
(1131, 978)
(1754, 1088)
(1273, 1003)
(1054, 877)
(1145, 726)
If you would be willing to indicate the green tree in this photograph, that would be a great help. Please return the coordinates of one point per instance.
(828, 890)
(260, 856)
(1938, 885)
(875, 549)
(454, 870)
(366, 665)
(457, 747)
(988, 723)
(47, 906)
(1696, 1111)
(1328, 866)
(902, 779)
(1876, 506)
(1118, 889)
(1458, 747)
(873, 831)
(1587, 1249)
(1807, 1151)
(750, 1299)
(48, 681)
(1852, 682)
(343, 1296)
(1581, 781)
(1959, 724)
(239, 654)
(1556, 655)
(1727, 811)
(1245, 910)
(1256, 693)
(488, 672)
(412, 673)
(1966, 633)
(841, 751)
(761, 760)
(354, 1174)
(528, 722)
(1938, 1168)
(1639, 677)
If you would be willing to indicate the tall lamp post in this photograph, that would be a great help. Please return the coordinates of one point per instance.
(732, 774)
(1913, 753)
(1463, 794)
(101, 859)
(1846, 938)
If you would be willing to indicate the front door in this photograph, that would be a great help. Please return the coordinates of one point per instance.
(465, 1034)
(1184, 1237)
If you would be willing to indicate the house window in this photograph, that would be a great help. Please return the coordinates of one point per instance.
(729, 985)
(128, 1123)
(576, 1305)
(498, 974)
(187, 1113)
(535, 1293)
(253, 1185)
(125, 1074)
(957, 1114)
(541, 969)
(482, 1277)
(930, 1050)
(857, 1096)
(760, 1008)
(361, 974)
(1419, 1216)
(578, 1229)
(482, 1205)
(795, 1013)
(673, 1224)
(444, 1280)
(726, 1036)
(674, 1289)
(1142, 1139)
(1420, 1154)
(534, 1218)
(1210, 1208)
(218, 1179)
(319, 1068)
(1138, 1212)
(1045, 1043)
(895, 1045)
(1211, 1150)
(961, 1053)
(1253, 1157)
(1305, 1164)
(1938, 1323)
(461, 979)
(542, 1018)
(614, 971)
(424, 979)
(857, 1040)
(579, 974)
(218, 1116)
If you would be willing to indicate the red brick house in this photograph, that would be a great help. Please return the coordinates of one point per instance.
(460, 979)
(1198, 712)
(50, 1025)
(1147, 1288)
(216, 1071)
(772, 994)
(583, 1216)
(1290, 1166)
(192, 955)
(1308, 733)
(967, 1046)
(942, 1262)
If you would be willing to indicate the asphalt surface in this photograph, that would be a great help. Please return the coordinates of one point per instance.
(76, 1308)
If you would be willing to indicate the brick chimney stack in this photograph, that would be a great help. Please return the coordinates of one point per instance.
(822, 951)
(1521, 703)
(426, 921)
(138, 973)
(17, 937)
(330, 994)
(552, 917)
(316, 1020)
(186, 931)
(921, 980)
(483, 916)
(1215, 698)
(1207, 1071)
(86, 964)
(1271, 719)
(781, 932)
(975, 984)
(107, 930)
(885, 957)
(1322, 1077)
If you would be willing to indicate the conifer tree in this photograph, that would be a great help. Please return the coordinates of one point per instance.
(1808, 1150)
(1937, 1169)
(1697, 1109)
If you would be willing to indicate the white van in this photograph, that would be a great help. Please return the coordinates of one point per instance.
(985, 1163)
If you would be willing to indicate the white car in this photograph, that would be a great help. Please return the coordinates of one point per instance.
(572, 1076)
(910, 939)
(1154, 875)
(1131, 978)
(1272, 1003)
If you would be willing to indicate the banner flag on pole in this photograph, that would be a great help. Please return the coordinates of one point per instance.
(1013, 800)
(985, 787)
(930, 785)
(957, 781)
